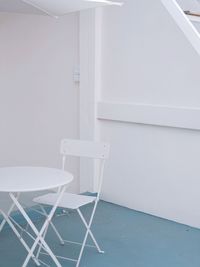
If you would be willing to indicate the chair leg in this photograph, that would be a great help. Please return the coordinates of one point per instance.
(57, 233)
(90, 232)
(54, 228)
(45, 233)
(86, 234)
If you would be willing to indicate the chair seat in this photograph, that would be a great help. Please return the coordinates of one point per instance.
(68, 201)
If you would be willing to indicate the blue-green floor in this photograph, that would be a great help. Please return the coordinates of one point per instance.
(129, 238)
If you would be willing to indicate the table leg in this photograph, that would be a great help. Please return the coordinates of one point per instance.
(6, 218)
(39, 234)
(8, 213)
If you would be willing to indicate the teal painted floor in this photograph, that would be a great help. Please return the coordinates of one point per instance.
(130, 239)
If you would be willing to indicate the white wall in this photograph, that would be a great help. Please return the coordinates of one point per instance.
(147, 60)
(38, 97)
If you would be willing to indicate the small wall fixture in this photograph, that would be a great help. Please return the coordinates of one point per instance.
(190, 13)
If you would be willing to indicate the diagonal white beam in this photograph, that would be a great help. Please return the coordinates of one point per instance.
(183, 22)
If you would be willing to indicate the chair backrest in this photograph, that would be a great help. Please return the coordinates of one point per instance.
(88, 149)
(80, 148)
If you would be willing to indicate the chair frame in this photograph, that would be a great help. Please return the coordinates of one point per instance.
(85, 149)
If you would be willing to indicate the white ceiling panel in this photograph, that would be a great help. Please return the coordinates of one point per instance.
(51, 7)
(61, 7)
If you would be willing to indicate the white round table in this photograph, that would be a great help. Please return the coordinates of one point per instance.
(17, 180)
(31, 179)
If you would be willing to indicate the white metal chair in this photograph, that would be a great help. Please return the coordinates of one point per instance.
(78, 148)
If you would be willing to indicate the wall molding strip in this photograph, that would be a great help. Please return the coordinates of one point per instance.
(166, 116)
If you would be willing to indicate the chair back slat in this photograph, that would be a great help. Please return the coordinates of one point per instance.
(80, 148)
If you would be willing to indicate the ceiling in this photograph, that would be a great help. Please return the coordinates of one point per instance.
(17, 6)
(51, 7)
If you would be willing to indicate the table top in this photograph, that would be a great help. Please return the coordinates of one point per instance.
(31, 179)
